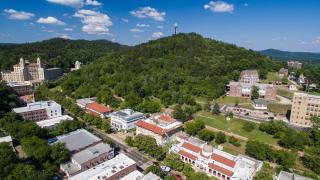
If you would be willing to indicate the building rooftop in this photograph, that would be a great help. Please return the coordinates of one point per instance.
(128, 114)
(98, 107)
(6, 139)
(36, 106)
(106, 169)
(76, 140)
(260, 101)
(17, 84)
(150, 176)
(283, 175)
(83, 102)
(135, 175)
(91, 152)
(53, 121)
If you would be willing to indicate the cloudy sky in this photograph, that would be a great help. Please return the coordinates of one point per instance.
(257, 24)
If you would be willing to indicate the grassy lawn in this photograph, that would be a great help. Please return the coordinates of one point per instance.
(278, 108)
(232, 100)
(235, 126)
(285, 93)
(247, 106)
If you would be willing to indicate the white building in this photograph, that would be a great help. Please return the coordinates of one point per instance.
(215, 162)
(49, 123)
(125, 119)
(77, 66)
(82, 103)
(115, 168)
(283, 175)
(162, 127)
(39, 111)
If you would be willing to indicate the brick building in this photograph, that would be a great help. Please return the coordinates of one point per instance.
(239, 89)
(98, 110)
(249, 76)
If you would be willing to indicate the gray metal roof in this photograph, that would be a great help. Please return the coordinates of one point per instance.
(91, 152)
(78, 139)
(260, 101)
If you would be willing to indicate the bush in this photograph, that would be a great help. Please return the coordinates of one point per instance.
(249, 126)
(220, 138)
(206, 135)
(234, 141)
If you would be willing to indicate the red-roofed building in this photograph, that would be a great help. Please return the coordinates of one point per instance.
(163, 131)
(215, 162)
(97, 109)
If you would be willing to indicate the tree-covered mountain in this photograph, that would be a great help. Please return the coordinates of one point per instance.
(57, 52)
(174, 69)
(306, 57)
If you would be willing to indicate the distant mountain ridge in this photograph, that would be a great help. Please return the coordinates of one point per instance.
(306, 57)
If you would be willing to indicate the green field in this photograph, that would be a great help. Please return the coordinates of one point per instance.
(235, 126)
(271, 77)
(247, 106)
(232, 100)
(285, 93)
(278, 108)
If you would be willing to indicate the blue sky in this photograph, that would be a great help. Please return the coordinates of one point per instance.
(256, 24)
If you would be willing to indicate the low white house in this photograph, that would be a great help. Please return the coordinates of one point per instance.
(259, 104)
(125, 119)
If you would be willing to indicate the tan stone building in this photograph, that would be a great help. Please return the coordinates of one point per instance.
(25, 71)
(304, 106)
(249, 76)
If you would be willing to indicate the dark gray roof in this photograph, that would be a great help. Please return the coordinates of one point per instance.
(260, 101)
(91, 152)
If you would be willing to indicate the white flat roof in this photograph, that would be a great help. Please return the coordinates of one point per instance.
(53, 121)
(106, 169)
(5, 139)
(36, 106)
(133, 176)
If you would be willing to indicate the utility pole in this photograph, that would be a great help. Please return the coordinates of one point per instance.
(176, 28)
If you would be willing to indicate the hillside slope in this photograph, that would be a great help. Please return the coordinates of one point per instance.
(56, 52)
(173, 69)
(305, 57)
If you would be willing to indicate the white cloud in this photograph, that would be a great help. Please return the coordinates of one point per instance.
(316, 40)
(50, 20)
(136, 30)
(64, 36)
(143, 25)
(68, 29)
(160, 27)
(5, 35)
(246, 4)
(149, 12)
(157, 34)
(135, 36)
(18, 15)
(76, 3)
(219, 6)
(124, 20)
(94, 22)
(303, 43)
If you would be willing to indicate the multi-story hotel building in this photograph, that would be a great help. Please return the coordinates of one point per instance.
(39, 111)
(249, 76)
(162, 127)
(215, 162)
(25, 71)
(304, 107)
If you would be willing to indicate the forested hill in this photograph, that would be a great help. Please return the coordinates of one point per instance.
(305, 57)
(57, 52)
(173, 69)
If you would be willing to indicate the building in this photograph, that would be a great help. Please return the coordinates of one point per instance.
(215, 162)
(283, 72)
(294, 64)
(97, 109)
(53, 73)
(76, 141)
(21, 88)
(125, 119)
(304, 107)
(137, 175)
(240, 89)
(162, 127)
(82, 103)
(249, 76)
(113, 169)
(87, 159)
(25, 71)
(77, 66)
(259, 104)
(301, 79)
(49, 123)
(293, 87)
(39, 111)
(6, 139)
(283, 175)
